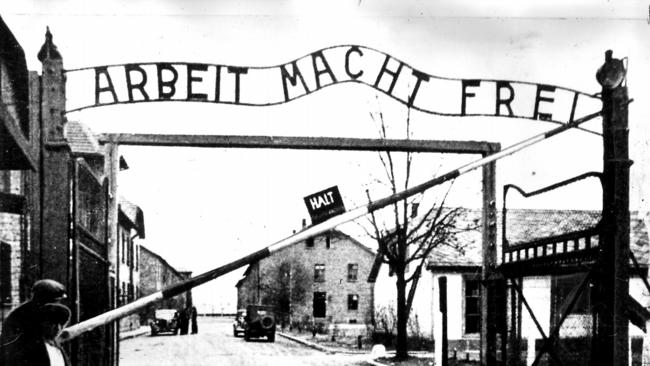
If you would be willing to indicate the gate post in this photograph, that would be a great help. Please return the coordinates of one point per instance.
(489, 288)
(611, 341)
(55, 172)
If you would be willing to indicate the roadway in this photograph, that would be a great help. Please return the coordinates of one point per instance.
(215, 345)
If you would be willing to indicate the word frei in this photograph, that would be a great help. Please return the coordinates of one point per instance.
(261, 86)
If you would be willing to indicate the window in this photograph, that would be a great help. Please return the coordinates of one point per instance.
(320, 304)
(309, 242)
(319, 273)
(353, 271)
(123, 242)
(563, 288)
(353, 302)
(5, 273)
(136, 249)
(472, 305)
(5, 181)
(130, 257)
(328, 241)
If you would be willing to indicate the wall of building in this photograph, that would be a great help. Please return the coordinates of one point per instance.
(421, 310)
(10, 233)
(129, 276)
(156, 274)
(341, 252)
(537, 291)
(13, 235)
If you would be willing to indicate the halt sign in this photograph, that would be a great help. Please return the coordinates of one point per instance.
(324, 204)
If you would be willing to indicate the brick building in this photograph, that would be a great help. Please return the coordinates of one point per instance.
(130, 228)
(156, 274)
(12, 238)
(322, 280)
(58, 205)
(19, 154)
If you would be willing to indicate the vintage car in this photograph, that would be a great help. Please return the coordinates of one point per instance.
(238, 324)
(165, 321)
(259, 322)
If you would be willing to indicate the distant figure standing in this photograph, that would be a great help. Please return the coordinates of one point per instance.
(195, 325)
(21, 330)
(184, 320)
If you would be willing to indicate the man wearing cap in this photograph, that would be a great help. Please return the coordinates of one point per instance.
(21, 330)
(52, 319)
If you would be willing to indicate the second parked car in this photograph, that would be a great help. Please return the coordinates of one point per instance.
(165, 321)
(259, 322)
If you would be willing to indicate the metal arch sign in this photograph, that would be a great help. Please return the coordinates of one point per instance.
(272, 85)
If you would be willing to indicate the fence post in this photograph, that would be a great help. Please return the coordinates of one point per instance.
(444, 349)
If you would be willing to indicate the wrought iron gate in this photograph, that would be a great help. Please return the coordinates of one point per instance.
(89, 266)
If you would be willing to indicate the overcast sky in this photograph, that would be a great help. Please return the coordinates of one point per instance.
(205, 207)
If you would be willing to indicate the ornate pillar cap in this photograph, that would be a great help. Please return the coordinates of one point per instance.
(48, 50)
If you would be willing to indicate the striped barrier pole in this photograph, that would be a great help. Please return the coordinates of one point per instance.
(178, 288)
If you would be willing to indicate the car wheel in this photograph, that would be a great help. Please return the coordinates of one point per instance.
(234, 332)
(247, 336)
(271, 337)
(153, 333)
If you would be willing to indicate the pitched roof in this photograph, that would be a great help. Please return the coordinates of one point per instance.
(81, 139)
(133, 214)
(333, 232)
(162, 260)
(527, 224)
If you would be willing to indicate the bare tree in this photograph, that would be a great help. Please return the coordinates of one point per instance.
(286, 286)
(407, 237)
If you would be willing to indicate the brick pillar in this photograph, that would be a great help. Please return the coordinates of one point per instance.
(55, 169)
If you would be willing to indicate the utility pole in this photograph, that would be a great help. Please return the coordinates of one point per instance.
(612, 290)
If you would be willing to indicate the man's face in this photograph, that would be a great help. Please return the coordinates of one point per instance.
(51, 329)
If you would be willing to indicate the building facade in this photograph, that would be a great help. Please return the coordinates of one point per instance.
(19, 157)
(546, 295)
(58, 210)
(130, 228)
(321, 281)
(156, 274)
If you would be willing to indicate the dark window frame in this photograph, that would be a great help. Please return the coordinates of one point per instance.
(353, 302)
(309, 242)
(561, 287)
(319, 272)
(5, 273)
(353, 272)
(319, 304)
(471, 305)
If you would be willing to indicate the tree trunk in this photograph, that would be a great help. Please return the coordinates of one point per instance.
(401, 349)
